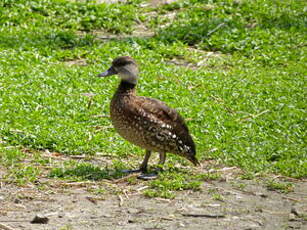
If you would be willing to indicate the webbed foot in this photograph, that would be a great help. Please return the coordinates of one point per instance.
(148, 176)
(130, 171)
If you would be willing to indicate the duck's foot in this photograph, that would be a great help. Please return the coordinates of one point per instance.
(148, 176)
(143, 176)
(131, 171)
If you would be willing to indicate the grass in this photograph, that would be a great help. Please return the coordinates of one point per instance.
(282, 187)
(239, 83)
(84, 171)
(172, 181)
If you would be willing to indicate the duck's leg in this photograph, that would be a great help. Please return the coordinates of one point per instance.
(161, 161)
(143, 167)
(154, 175)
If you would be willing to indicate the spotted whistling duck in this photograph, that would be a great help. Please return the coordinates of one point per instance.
(146, 122)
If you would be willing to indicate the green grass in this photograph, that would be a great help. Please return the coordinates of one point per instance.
(18, 171)
(84, 171)
(246, 100)
(279, 186)
(172, 181)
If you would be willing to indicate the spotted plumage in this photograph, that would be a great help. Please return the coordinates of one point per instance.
(147, 122)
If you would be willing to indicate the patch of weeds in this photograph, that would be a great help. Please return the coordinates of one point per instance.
(218, 197)
(85, 171)
(212, 190)
(38, 159)
(215, 194)
(247, 176)
(97, 191)
(303, 216)
(118, 165)
(170, 181)
(175, 183)
(68, 39)
(159, 193)
(240, 186)
(84, 15)
(16, 170)
(210, 176)
(22, 173)
(132, 181)
(282, 187)
(66, 227)
(9, 156)
(247, 26)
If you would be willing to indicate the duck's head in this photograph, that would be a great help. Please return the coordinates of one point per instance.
(125, 67)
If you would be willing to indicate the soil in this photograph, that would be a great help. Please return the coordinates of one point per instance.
(75, 205)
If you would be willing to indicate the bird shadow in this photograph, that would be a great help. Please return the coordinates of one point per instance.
(86, 171)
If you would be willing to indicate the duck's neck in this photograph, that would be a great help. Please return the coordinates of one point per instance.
(126, 87)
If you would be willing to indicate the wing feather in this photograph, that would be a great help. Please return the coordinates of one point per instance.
(162, 113)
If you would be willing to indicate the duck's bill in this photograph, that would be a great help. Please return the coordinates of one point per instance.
(109, 72)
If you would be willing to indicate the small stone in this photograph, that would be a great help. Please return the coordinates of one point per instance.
(214, 205)
(258, 210)
(292, 217)
(299, 211)
(294, 211)
(131, 221)
(40, 219)
(91, 199)
(133, 210)
(17, 201)
(263, 195)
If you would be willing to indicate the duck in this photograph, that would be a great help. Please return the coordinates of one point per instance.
(146, 122)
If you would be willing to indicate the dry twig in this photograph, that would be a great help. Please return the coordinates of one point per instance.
(121, 200)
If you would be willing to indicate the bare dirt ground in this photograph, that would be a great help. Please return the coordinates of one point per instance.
(241, 204)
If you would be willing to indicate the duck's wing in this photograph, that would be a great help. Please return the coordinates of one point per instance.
(159, 112)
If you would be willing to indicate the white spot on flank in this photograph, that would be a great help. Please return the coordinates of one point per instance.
(165, 126)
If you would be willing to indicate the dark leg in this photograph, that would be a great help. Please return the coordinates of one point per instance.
(143, 167)
(162, 158)
(154, 175)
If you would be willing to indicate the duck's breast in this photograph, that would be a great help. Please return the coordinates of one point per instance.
(126, 123)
